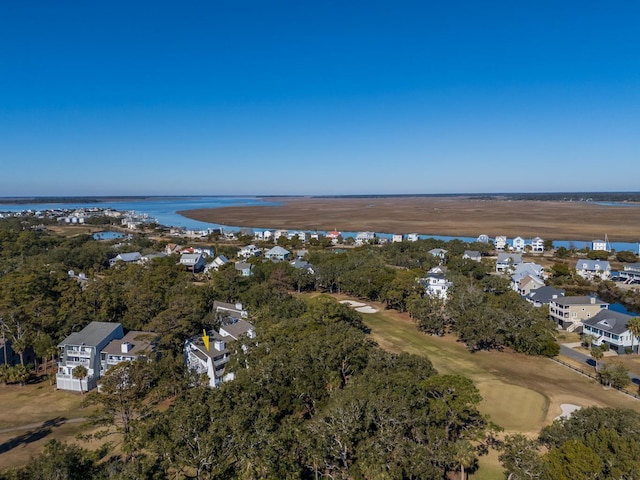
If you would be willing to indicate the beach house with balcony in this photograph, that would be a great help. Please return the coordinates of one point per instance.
(611, 328)
(83, 348)
(570, 312)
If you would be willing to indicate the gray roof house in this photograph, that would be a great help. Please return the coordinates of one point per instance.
(244, 268)
(612, 328)
(591, 269)
(507, 261)
(277, 254)
(131, 257)
(194, 262)
(83, 348)
(472, 255)
(132, 346)
(543, 295)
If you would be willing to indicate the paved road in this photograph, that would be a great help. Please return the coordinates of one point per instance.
(589, 361)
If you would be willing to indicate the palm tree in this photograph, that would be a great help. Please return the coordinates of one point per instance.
(80, 372)
(597, 354)
(634, 328)
(465, 457)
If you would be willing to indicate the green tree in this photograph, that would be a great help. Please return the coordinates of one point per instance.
(634, 329)
(520, 456)
(80, 372)
(597, 354)
(615, 375)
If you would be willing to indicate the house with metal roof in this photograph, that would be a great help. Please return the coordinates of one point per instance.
(611, 328)
(194, 262)
(472, 255)
(591, 269)
(277, 254)
(132, 257)
(83, 348)
(507, 262)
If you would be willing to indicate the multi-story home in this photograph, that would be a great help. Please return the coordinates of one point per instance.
(83, 348)
(600, 245)
(591, 269)
(570, 312)
(132, 346)
(500, 242)
(435, 285)
(483, 238)
(412, 237)
(526, 284)
(249, 251)
(277, 254)
(507, 262)
(537, 245)
(630, 273)
(208, 354)
(194, 262)
(611, 328)
(438, 252)
(365, 237)
(518, 244)
(397, 238)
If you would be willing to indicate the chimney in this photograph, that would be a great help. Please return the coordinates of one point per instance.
(593, 300)
(238, 306)
(219, 345)
(126, 347)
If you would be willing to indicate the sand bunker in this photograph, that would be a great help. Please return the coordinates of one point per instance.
(567, 410)
(367, 309)
(353, 304)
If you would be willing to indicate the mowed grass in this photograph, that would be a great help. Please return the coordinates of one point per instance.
(520, 393)
(34, 414)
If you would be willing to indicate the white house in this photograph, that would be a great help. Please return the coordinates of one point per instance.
(438, 252)
(472, 255)
(208, 354)
(501, 242)
(365, 237)
(412, 237)
(611, 328)
(397, 238)
(507, 262)
(591, 269)
(83, 348)
(218, 262)
(600, 245)
(537, 245)
(435, 284)
(518, 244)
(249, 251)
(267, 235)
(483, 238)
(277, 254)
(630, 273)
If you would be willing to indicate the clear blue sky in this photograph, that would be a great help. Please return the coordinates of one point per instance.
(297, 97)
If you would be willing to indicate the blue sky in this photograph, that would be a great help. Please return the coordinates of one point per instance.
(290, 97)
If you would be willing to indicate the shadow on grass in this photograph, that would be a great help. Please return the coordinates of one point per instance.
(32, 435)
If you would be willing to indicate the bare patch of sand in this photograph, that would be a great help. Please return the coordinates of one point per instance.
(352, 303)
(367, 309)
(567, 410)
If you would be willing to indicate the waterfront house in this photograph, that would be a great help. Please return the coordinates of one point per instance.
(630, 273)
(397, 238)
(412, 237)
(600, 245)
(483, 238)
(570, 312)
(500, 242)
(518, 244)
(537, 245)
(365, 237)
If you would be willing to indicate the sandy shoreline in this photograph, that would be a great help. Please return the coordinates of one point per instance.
(454, 216)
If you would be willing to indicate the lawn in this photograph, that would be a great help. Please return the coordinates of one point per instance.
(520, 393)
(34, 414)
